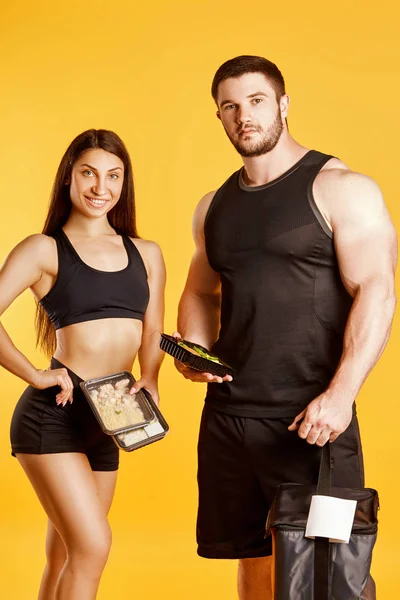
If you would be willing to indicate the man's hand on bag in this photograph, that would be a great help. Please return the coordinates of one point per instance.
(324, 419)
(198, 376)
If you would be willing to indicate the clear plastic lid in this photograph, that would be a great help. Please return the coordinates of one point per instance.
(114, 407)
(137, 438)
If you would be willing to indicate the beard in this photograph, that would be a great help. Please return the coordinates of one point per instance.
(267, 141)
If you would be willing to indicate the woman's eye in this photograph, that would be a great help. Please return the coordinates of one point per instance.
(114, 176)
(257, 100)
(88, 173)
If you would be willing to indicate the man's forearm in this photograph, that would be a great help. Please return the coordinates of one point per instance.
(199, 318)
(366, 335)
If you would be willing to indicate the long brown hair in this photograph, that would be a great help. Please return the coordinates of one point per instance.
(122, 217)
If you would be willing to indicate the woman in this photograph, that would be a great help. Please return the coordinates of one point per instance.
(100, 303)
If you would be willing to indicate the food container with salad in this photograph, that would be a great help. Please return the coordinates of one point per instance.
(113, 406)
(194, 356)
(139, 437)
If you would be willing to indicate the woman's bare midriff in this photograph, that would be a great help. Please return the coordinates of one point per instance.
(100, 347)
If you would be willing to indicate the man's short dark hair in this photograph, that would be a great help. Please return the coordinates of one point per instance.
(240, 65)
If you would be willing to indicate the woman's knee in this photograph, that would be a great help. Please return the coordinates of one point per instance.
(93, 550)
(56, 553)
(55, 560)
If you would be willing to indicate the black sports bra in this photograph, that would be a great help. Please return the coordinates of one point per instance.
(82, 293)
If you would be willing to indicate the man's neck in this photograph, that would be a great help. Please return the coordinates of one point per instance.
(260, 170)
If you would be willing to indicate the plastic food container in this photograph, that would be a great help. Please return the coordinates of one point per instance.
(115, 409)
(139, 437)
(194, 356)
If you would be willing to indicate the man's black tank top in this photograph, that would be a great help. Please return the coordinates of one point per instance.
(82, 293)
(284, 307)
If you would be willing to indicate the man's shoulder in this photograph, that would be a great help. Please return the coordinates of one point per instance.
(343, 195)
(201, 211)
(338, 180)
(205, 202)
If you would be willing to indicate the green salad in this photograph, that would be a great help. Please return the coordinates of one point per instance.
(199, 351)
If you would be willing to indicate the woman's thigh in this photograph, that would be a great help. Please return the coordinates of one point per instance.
(105, 485)
(55, 547)
(75, 498)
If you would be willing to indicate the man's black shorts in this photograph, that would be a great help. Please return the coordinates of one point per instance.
(241, 462)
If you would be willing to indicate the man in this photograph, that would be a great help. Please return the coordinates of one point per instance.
(292, 285)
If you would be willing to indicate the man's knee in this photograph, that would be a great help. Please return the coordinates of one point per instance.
(254, 578)
(256, 565)
(369, 592)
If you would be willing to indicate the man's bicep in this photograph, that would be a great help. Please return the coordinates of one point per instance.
(202, 279)
(365, 240)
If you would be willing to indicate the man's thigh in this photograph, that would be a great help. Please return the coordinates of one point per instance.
(232, 506)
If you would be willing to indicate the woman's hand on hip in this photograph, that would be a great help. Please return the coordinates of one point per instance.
(56, 377)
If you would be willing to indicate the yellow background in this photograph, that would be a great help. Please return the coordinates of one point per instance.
(145, 71)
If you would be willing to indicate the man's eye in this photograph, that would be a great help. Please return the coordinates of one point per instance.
(257, 100)
(229, 106)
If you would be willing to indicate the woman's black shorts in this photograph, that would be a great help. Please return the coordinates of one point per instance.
(40, 426)
(241, 463)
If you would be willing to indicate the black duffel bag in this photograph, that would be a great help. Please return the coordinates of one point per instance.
(308, 569)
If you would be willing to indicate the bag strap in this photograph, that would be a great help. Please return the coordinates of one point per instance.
(322, 545)
(324, 477)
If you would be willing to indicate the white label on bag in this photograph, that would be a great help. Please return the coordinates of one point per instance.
(331, 518)
(154, 429)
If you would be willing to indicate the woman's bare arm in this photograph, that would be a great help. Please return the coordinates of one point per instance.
(150, 354)
(22, 269)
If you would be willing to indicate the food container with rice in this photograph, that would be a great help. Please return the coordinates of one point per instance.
(113, 406)
(194, 356)
(139, 437)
